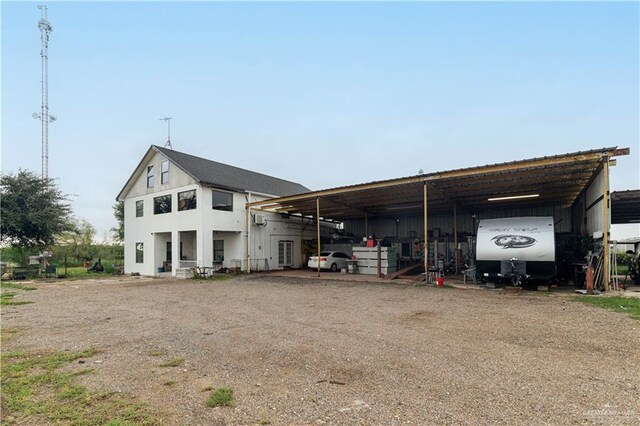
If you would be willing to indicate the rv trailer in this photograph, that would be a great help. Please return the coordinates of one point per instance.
(516, 249)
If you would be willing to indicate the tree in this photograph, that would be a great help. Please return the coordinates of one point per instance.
(34, 211)
(118, 231)
(78, 242)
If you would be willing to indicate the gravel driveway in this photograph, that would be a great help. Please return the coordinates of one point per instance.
(327, 352)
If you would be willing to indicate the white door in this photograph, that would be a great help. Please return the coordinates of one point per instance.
(285, 254)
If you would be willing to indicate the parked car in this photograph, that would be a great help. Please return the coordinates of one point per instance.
(333, 260)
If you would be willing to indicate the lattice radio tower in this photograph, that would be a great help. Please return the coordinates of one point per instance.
(45, 30)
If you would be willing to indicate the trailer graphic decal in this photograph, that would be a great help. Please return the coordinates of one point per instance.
(529, 239)
(513, 241)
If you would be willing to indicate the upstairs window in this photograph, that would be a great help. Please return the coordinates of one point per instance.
(222, 200)
(150, 177)
(139, 208)
(187, 200)
(164, 172)
(162, 204)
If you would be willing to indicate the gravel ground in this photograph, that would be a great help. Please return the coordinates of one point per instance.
(325, 352)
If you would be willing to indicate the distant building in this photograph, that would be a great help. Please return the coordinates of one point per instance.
(182, 211)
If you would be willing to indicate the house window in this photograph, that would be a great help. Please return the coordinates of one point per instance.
(222, 200)
(218, 250)
(139, 252)
(162, 204)
(164, 172)
(150, 177)
(139, 208)
(187, 200)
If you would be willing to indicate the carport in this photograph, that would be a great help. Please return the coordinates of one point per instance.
(573, 188)
(625, 206)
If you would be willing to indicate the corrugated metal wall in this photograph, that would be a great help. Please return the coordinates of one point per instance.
(412, 226)
(593, 201)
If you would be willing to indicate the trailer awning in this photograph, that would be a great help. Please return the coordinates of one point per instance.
(557, 180)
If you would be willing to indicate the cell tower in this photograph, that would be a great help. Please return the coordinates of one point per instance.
(168, 120)
(44, 116)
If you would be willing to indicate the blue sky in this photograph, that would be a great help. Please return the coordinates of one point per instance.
(325, 94)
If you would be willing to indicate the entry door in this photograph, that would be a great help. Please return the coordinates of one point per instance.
(285, 254)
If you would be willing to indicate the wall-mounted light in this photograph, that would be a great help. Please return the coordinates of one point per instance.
(514, 197)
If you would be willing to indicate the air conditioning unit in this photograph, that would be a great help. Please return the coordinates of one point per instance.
(258, 219)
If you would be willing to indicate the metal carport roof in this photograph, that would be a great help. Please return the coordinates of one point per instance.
(557, 180)
(625, 206)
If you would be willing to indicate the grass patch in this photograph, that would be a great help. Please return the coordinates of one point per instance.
(16, 286)
(35, 391)
(627, 305)
(169, 383)
(221, 397)
(173, 362)
(156, 352)
(217, 277)
(6, 299)
(443, 286)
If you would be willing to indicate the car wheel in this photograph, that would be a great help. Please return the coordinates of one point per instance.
(334, 267)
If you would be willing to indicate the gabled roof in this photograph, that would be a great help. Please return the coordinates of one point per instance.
(212, 173)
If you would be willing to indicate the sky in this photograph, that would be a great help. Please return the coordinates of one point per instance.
(324, 94)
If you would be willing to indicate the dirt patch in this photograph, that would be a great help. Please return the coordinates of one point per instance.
(322, 352)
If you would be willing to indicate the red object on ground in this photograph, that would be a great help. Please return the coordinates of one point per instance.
(440, 281)
(589, 279)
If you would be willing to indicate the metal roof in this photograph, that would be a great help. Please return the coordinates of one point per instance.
(557, 180)
(625, 206)
(213, 173)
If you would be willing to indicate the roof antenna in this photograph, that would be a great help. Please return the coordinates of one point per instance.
(168, 120)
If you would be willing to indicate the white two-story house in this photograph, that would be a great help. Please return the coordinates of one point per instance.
(182, 211)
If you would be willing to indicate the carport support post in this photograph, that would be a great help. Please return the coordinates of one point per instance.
(605, 222)
(247, 216)
(455, 237)
(366, 225)
(318, 230)
(426, 235)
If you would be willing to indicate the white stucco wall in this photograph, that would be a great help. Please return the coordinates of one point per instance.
(208, 224)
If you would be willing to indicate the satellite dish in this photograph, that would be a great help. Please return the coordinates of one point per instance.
(36, 116)
(52, 118)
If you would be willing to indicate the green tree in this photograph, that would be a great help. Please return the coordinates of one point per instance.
(34, 211)
(118, 231)
(78, 242)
